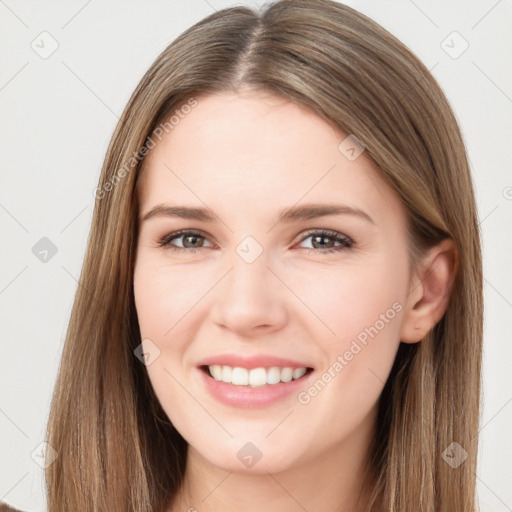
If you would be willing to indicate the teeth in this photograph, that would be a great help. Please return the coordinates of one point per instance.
(286, 374)
(256, 377)
(273, 375)
(298, 373)
(240, 377)
(227, 373)
(216, 372)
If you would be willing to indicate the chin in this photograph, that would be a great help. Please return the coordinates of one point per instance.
(246, 457)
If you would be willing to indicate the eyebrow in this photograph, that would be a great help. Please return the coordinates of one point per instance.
(288, 215)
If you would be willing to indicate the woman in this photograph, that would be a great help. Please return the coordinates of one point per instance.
(219, 355)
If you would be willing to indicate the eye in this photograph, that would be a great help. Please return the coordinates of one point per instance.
(191, 241)
(318, 238)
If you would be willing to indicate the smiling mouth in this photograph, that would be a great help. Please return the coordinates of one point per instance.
(255, 377)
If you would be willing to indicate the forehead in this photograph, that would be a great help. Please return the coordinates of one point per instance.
(253, 149)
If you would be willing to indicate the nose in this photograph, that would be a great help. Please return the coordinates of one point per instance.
(250, 300)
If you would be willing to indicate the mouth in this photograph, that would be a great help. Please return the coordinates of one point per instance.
(254, 377)
(253, 381)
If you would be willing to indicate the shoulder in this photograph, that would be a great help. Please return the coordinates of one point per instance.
(6, 508)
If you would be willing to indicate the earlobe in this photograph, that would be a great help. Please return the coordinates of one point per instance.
(430, 292)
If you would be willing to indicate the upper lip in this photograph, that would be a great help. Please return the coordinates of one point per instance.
(250, 362)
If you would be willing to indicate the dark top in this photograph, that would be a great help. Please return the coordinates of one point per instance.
(6, 508)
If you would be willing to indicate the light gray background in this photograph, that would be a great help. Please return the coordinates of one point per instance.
(58, 115)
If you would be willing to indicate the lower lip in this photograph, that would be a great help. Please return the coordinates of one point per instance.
(249, 397)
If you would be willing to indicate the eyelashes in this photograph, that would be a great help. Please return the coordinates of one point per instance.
(317, 236)
(166, 241)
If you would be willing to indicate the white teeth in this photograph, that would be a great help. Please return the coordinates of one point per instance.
(216, 372)
(286, 374)
(298, 373)
(256, 377)
(240, 377)
(273, 375)
(227, 372)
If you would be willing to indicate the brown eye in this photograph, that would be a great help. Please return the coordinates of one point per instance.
(325, 241)
(190, 241)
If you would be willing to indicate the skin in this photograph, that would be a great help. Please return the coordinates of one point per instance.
(246, 157)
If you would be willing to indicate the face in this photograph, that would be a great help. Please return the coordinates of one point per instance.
(303, 266)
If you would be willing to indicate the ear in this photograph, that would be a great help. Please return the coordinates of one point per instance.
(429, 291)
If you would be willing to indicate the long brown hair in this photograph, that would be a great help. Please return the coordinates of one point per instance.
(116, 448)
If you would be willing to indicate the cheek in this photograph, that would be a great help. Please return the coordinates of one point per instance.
(164, 296)
(161, 312)
(162, 301)
(361, 310)
(346, 299)
(168, 301)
